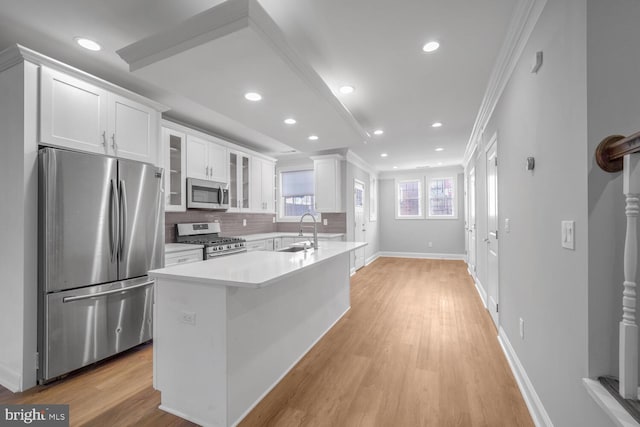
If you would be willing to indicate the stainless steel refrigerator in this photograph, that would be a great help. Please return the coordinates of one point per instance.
(100, 231)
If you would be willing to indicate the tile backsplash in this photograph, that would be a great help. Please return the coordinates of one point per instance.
(231, 222)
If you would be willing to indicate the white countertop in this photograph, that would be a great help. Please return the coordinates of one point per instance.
(254, 269)
(178, 247)
(263, 236)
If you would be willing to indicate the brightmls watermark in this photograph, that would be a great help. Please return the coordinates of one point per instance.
(34, 415)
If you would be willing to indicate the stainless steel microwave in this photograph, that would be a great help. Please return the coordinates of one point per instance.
(203, 194)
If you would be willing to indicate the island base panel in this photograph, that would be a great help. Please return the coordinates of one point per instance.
(222, 348)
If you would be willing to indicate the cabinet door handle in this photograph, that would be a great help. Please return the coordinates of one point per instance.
(114, 145)
(207, 171)
(104, 139)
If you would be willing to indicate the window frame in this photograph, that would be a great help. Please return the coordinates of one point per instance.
(429, 180)
(279, 202)
(421, 196)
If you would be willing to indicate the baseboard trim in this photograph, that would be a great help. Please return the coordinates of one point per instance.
(372, 258)
(531, 398)
(10, 379)
(236, 422)
(481, 291)
(421, 255)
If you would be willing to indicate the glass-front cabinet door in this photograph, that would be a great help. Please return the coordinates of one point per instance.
(239, 176)
(233, 181)
(174, 149)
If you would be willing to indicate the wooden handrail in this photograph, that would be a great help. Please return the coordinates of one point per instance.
(612, 150)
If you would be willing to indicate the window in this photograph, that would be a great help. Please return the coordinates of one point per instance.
(296, 194)
(442, 198)
(409, 199)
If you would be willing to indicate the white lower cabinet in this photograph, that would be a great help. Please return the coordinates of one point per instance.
(183, 257)
(258, 245)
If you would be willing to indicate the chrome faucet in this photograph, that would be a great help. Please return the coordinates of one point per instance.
(315, 228)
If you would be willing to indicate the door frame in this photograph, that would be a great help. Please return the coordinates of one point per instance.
(495, 314)
(357, 182)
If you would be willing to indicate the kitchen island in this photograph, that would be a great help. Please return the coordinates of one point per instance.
(227, 330)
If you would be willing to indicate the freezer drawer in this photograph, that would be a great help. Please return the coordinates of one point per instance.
(86, 325)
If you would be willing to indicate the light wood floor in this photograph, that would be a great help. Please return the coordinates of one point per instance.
(416, 349)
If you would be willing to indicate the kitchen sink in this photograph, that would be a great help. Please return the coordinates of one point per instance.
(294, 249)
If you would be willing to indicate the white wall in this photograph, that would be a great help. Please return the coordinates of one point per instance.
(545, 115)
(18, 227)
(411, 236)
(613, 61)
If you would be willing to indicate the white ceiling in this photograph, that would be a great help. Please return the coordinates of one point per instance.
(374, 45)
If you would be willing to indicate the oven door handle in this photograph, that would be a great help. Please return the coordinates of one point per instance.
(101, 294)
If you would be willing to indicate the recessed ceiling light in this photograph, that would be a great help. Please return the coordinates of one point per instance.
(378, 132)
(253, 96)
(313, 137)
(345, 90)
(439, 163)
(383, 155)
(431, 46)
(439, 149)
(290, 121)
(395, 167)
(88, 44)
(436, 125)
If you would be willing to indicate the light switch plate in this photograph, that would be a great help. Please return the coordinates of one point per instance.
(244, 222)
(568, 235)
(324, 221)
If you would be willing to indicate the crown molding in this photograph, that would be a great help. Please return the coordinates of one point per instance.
(17, 54)
(359, 162)
(521, 26)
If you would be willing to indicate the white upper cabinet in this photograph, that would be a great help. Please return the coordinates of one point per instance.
(79, 115)
(132, 129)
(175, 166)
(262, 185)
(197, 158)
(240, 177)
(328, 183)
(206, 159)
(73, 113)
(218, 162)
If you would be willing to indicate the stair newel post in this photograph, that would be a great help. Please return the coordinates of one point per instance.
(628, 327)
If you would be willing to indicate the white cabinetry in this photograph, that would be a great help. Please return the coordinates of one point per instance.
(239, 179)
(260, 245)
(206, 159)
(263, 185)
(175, 160)
(79, 115)
(328, 183)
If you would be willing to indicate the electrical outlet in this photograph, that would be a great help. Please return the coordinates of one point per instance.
(324, 221)
(274, 219)
(521, 328)
(430, 244)
(188, 317)
(507, 225)
(244, 222)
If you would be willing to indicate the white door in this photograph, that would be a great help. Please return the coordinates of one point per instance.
(492, 228)
(359, 225)
(472, 220)
(132, 129)
(197, 158)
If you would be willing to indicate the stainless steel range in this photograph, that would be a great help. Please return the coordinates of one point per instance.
(207, 234)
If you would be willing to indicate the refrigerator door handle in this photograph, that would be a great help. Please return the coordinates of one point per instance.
(101, 294)
(123, 218)
(114, 209)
